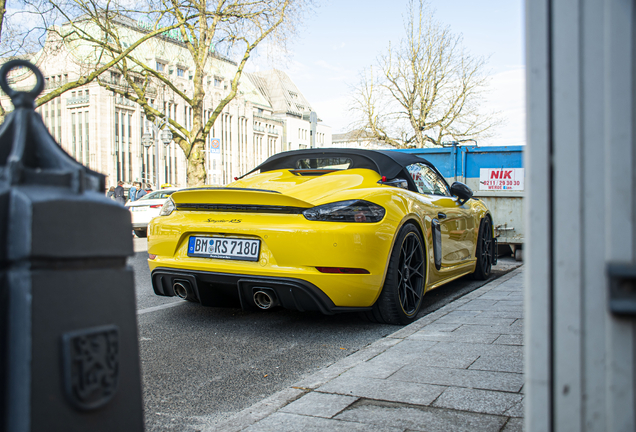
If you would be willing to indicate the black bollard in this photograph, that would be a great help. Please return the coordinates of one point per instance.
(69, 357)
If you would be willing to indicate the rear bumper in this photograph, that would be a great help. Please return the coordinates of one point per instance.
(235, 290)
(292, 248)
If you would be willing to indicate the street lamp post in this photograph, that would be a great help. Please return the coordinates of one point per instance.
(147, 140)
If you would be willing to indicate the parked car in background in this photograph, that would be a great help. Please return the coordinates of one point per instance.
(330, 230)
(147, 207)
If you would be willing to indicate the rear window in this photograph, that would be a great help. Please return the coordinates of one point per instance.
(157, 195)
(324, 163)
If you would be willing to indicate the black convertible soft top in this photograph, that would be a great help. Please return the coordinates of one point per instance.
(388, 163)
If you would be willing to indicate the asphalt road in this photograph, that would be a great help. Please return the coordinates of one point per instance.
(202, 364)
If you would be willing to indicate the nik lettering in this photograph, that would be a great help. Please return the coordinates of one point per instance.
(502, 174)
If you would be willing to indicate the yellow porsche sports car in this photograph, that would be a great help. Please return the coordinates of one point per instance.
(330, 230)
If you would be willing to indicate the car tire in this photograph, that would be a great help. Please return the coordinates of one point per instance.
(484, 250)
(141, 233)
(401, 296)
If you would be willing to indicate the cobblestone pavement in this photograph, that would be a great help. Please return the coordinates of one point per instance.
(459, 368)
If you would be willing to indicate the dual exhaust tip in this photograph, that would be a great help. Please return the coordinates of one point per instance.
(183, 290)
(265, 298)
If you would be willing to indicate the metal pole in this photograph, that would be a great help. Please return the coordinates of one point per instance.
(313, 120)
(156, 156)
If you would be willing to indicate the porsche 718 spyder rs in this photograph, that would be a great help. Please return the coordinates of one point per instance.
(330, 230)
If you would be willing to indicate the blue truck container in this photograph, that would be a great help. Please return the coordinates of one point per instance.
(495, 174)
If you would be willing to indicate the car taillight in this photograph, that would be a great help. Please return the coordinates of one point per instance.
(156, 206)
(167, 207)
(346, 211)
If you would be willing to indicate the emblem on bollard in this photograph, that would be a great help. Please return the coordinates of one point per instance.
(90, 359)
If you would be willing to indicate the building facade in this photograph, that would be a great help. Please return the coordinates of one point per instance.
(301, 125)
(104, 130)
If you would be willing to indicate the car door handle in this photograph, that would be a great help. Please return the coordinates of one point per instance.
(441, 215)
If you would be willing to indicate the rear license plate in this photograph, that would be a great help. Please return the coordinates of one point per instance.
(139, 209)
(224, 248)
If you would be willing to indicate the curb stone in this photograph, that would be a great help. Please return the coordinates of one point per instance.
(260, 410)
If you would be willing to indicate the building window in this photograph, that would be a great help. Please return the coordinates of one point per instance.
(180, 72)
(160, 67)
(130, 119)
(52, 114)
(73, 134)
(86, 137)
(80, 146)
(123, 146)
(59, 120)
(217, 82)
(117, 151)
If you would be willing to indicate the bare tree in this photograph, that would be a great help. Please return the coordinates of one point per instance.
(30, 29)
(196, 33)
(106, 40)
(426, 91)
(19, 28)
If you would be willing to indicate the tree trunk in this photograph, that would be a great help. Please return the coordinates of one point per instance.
(196, 165)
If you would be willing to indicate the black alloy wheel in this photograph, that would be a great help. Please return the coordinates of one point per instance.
(401, 296)
(484, 251)
(410, 274)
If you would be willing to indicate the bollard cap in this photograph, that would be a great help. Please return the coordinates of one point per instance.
(28, 152)
(51, 207)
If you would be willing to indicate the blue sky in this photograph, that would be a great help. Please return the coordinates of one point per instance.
(342, 37)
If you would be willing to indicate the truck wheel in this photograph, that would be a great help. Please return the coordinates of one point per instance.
(141, 233)
(401, 296)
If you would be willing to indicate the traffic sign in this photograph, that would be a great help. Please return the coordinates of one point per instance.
(215, 145)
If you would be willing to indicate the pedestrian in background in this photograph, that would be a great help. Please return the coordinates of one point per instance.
(111, 193)
(132, 192)
(120, 193)
(141, 192)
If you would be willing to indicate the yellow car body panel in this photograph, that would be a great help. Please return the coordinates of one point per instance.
(289, 248)
(293, 247)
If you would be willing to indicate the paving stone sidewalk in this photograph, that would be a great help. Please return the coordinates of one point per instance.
(459, 368)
